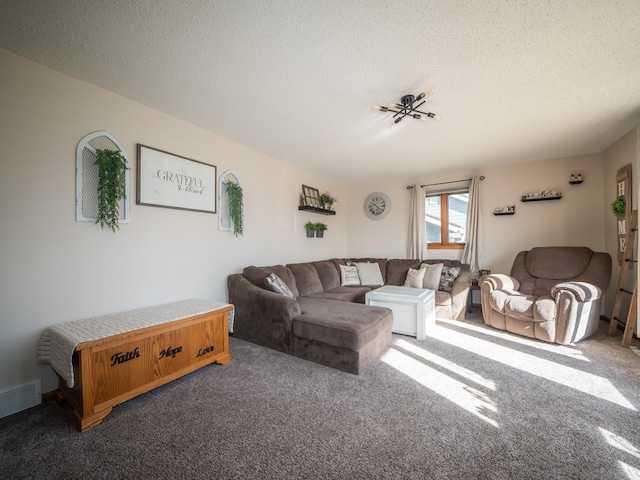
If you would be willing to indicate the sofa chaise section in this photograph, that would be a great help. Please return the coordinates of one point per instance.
(338, 333)
(322, 320)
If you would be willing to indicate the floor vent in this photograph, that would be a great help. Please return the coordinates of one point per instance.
(20, 397)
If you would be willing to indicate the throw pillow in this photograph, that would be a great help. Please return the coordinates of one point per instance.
(349, 275)
(449, 275)
(432, 275)
(370, 274)
(275, 284)
(414, 278)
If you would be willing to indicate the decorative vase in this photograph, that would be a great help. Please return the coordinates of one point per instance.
(319, 234)
(309, 233)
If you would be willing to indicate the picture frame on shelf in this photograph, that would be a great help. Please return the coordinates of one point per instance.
(311, 196)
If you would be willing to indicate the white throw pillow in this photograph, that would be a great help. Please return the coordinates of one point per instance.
(349, 275)
(370, 274)
(432, 275)
(414, 278)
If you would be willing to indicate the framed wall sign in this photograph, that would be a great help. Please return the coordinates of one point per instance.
(172, 181)
(623, 190)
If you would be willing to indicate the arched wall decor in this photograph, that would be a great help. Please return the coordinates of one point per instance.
(87, 176)
(224, 222)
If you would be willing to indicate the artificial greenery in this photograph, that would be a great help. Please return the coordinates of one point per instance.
(112, 168)
(236, 208)
(327, 198)
(619, 207)
(310, 226)
(321, 227)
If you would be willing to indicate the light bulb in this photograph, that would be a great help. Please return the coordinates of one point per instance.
(427, 92)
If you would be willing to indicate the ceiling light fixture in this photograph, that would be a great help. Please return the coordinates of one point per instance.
(408, 108)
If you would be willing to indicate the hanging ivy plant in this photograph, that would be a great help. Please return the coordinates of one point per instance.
(236, 211)
(619, 207)
(112, 168)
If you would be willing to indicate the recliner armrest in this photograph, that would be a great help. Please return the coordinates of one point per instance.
(582, 291)
(499, 281)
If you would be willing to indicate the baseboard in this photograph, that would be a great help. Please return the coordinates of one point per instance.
(49, 396)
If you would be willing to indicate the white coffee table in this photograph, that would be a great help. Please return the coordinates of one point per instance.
(414, 309)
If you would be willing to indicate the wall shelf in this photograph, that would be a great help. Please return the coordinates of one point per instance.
(321, 211)
(575, 182)
(504, 213)
(539, 199)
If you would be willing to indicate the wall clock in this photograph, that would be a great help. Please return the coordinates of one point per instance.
(377, 206)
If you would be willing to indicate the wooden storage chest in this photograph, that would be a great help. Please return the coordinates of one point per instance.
(114, 369)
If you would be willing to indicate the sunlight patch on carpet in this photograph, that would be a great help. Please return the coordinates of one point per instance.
(620, 443)
(555, 372)
(632, 473)
(566, 350)
(447, 364)
(470, 399)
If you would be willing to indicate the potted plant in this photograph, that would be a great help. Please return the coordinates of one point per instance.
(112, 168)
(320, 228)
(310, 227)
(619, 207)
(236, 209)
(327, 200)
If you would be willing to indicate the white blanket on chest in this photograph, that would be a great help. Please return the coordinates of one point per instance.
(58, 342)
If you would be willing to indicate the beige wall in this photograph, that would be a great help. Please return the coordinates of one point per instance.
(576, 219)
(54, 269)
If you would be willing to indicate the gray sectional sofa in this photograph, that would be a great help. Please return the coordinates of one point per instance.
(328, 323)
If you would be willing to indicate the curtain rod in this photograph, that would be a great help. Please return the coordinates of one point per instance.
(410, 187)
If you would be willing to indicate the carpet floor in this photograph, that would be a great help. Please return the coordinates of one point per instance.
(469, 402)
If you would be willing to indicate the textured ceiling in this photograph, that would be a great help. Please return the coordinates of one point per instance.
(513, 80)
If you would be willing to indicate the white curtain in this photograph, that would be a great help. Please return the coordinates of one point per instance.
(417, 224)
(471, 249)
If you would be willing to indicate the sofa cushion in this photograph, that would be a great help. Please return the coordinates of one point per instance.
(545, 309)
(442, 298)
(370, 274)
(275, 284)
(353, 294)
(256, 275)
(397, 270)
(557, 263)
(340, 324)
(524, 307)
(307, 279)
(519, 306)
(498, 298)
(328, 273)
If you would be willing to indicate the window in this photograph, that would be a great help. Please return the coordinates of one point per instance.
(446, 218)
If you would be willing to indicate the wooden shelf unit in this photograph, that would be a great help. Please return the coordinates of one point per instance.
(539, 199)
(321, 211)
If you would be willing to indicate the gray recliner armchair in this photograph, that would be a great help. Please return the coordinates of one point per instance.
(552, 294)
